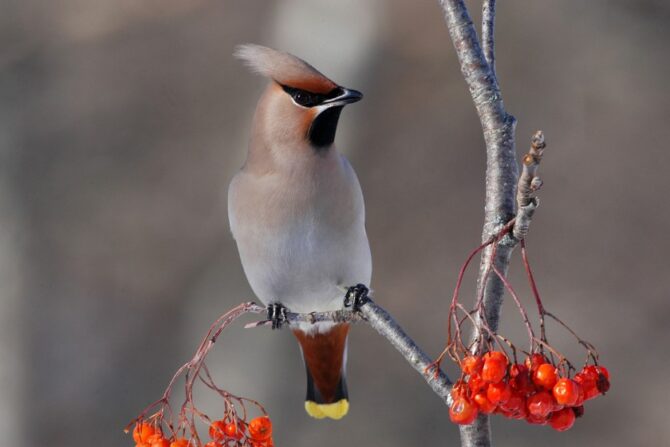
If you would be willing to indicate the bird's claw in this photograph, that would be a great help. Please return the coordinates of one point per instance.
(356, 296)
(277, 315)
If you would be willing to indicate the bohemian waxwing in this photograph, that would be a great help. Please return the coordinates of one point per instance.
(296, 212)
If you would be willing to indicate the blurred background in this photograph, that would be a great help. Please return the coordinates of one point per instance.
(122, 123)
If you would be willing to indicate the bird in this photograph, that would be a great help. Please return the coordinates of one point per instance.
(297, 215)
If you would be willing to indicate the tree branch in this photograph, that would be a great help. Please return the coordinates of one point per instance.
(501, 170)
(488, 29)
(382, 322)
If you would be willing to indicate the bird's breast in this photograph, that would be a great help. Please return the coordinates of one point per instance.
(299, 238)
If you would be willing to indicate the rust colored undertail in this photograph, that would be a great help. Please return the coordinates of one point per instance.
(324, 360)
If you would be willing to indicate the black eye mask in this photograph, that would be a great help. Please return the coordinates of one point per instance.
(309, 99)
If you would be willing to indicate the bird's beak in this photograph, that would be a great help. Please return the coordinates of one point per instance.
(347, 96)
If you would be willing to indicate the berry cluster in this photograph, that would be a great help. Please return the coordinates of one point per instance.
(258, 433)
(148, 435)
(224, 433)
(533, 390)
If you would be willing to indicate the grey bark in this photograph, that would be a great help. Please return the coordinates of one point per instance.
(488, 30)
(501, 169)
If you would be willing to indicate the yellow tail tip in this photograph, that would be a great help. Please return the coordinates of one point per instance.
(336, 410)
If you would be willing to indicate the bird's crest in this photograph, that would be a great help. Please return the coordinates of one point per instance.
(284, 68)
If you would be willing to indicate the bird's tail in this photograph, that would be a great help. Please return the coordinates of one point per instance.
(325, 360)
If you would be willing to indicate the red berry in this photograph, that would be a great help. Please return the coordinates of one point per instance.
(496, 355)
(516, 403)
(216, 430)
(462, 411)
(476, 383)
(566, 392)
(234, 431)
(498, 393)
(213, 444)
(517, 369)
(483, 404)
(159, 441)
(603, 380)
(540, 404)
(534, 361)
(537, 420)
(545, 376)
(143, 431)
(494, 369)
(580, 394)
(562, 420)
(260, 428)
(521, 382)
(588, 383)
(602, 370)
(472, 364)
(179, 442)
(459, 389)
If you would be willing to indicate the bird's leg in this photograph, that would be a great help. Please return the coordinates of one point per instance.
(356, 296)
(277, 314)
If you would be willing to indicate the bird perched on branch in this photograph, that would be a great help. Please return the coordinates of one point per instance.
(296, 212)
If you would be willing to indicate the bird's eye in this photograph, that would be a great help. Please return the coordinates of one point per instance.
(304, 98)
(301, 98)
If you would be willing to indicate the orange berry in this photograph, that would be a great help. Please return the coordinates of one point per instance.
(545, 376)
(472, 364)
(213, 444)
(588, 383)
(233, 430)
(566, 392)
(179, 442)
(498, 393)
(537, 420)
(534, 361)
(496, 355)
(540, 404)
(483, 404)
(143, 431)
(476, 383)
(494, 369)
(460, 388)
(260, 428)
(462, 411)
(216, 430)
(159, 441)
(515, 404)
(562, 420)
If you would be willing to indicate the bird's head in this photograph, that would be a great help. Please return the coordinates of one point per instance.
(301, 106)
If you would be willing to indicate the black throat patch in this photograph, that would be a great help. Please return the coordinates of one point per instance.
(322, 131)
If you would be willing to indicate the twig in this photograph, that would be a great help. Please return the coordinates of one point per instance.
(529, 184)
(336, 316)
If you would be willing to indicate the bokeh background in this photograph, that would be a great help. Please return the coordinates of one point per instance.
(122, 122)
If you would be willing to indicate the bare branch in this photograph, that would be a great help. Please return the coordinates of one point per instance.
(336, 316)
(501, 173)
(382, 322)
(488, 30)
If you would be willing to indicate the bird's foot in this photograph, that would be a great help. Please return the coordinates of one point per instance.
(356, 296)
(277, 315)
